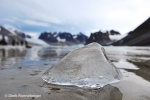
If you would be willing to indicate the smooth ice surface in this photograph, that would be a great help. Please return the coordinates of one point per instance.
(84, 67)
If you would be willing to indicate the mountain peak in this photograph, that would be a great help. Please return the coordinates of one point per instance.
(66, 37)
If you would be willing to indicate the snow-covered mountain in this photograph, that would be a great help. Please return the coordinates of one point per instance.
(21, 34)
(10, 38)
(64, 37)
(102, 38)
(16, 37)
(140, 36)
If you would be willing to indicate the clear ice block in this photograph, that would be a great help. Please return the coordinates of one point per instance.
(84, 67)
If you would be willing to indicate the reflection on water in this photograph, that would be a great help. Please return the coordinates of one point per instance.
(122, 64)
(11, 57)
(134, 63)
(37, 56)
(128, 53)
(144, 70)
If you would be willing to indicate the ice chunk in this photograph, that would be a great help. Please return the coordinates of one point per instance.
(84, 67)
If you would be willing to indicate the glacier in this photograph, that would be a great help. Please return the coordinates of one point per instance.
(87, 66)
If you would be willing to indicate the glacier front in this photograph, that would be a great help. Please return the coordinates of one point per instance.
(84, 67)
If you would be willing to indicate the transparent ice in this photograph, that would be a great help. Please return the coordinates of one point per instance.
(84, 67)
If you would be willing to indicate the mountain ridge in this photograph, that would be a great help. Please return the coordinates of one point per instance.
(63, 37)
(138, 37)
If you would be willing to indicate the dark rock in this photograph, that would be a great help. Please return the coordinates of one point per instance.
(138, 37)
(108, 92)
(99, 37)
(67, 36)
(3, 41)
(19, 67)
(28, 46)
(48, 37)
(112, 32)
(28, 36)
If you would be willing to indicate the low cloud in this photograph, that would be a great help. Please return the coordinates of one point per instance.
(36, 23)
(10, 27)
(44, 18)
(34, 35)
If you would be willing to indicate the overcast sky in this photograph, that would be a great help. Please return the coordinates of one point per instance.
(36, 16)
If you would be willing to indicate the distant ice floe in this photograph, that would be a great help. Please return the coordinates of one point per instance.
(84, 67)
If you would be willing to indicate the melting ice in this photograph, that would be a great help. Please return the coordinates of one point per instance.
(84, 67)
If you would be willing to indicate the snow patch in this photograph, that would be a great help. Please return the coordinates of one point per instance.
(13, 32)
(6, 38)
(61, 40)
(56, 35)
(75, 36)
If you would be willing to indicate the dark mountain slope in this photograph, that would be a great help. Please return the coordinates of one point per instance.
(99, 37)
(9, 38)
(138, 37)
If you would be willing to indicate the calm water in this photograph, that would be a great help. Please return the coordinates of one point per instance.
(21, 70)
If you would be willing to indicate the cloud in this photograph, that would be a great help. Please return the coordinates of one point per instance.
(10, 27)
(44, 18)
(83, 15)
(36, 23)
(27, 9)
(8, 20)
